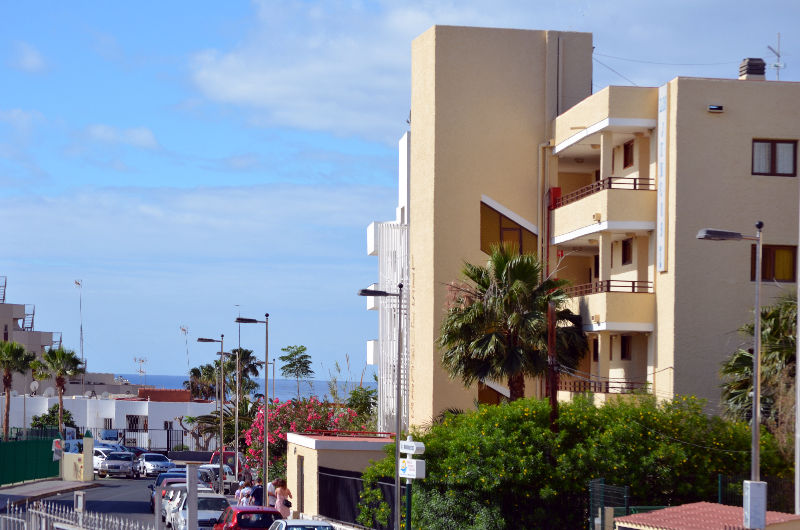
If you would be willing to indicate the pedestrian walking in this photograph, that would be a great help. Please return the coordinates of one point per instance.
(238, 494)
(271, 493)
(258, 493)
(282, 496)
(247, 491)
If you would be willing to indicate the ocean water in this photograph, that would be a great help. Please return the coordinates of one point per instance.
(283, 389)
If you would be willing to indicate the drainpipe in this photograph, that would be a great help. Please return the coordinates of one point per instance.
(544, 208)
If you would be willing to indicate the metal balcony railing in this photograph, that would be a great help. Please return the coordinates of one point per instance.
(621, 183)
(600, 386)
(610, 286)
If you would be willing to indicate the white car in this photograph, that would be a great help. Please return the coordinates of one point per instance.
(209, 507)
(300, 524)
(151, 464)
(100, 454)
(173, 499)
(228, 479)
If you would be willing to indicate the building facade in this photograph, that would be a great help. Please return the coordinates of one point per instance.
(507, 143)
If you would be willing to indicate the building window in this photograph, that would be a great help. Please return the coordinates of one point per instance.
(775, 157)
(627, 251)
(778, 263)
(625, 347)
(497, 228)
(596, 266)
(595, 350)
(107, 423)
(627, 154)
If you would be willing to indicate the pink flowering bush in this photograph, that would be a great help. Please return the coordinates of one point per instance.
(295, 416)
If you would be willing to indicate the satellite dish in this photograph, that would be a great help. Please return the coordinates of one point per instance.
(49, 392)
(34, 386)
(14, 393)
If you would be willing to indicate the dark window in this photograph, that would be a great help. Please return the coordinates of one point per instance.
(497, 228)
(627, 251)
(775, 157)
(597, 265)
(627, 154)
(625, 347)
(778, 263)
(595, 350)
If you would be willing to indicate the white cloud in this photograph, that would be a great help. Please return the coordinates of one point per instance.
(27, 58)
(140, 137)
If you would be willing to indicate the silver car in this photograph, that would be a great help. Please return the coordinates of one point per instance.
(151, 464)
(117, 463)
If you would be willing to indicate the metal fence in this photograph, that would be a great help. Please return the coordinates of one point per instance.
(154, 439)
(27, 460)
(780, 492)
(51, 516)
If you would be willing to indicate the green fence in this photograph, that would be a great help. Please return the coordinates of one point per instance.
(26, 460)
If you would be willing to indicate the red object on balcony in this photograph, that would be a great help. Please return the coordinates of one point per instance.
(555, 197)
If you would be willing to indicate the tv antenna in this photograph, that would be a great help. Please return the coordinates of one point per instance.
(778, 64)
(185, 331)
(141, 371)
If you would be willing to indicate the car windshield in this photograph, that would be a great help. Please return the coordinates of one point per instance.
(156, 458)
(257, 519)
(212, 503)
(127, 457)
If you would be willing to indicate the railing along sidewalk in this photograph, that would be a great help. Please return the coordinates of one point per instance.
(620, 183)
(610, 286)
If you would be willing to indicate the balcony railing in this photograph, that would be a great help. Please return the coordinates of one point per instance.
(610, 286)
(621, 183)
(609, 386)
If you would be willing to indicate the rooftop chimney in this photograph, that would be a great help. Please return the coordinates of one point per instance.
(752, 69)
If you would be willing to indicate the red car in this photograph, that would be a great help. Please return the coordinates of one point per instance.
(242, 517)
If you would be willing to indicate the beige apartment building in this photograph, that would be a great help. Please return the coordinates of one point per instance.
(507, 142)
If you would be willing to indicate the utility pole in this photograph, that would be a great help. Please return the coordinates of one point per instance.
(552, 363)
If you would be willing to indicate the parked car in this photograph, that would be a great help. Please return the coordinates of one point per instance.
(117, 463)
(241, 517)
(209, 507)
(100, 454)
(300, 524)
(174, 498)
(153, 464)
(135, 450)
(159, 487)
(228, 478)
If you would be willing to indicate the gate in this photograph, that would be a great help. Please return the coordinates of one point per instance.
(51, 516)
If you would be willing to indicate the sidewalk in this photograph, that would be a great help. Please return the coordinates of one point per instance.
(32, 491)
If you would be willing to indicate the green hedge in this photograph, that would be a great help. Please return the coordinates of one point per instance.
(502, 467)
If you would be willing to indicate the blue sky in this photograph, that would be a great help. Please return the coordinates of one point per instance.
(184, 157)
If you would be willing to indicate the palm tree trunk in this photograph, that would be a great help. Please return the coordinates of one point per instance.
(516, 387)
(61, 410)
(6, 413)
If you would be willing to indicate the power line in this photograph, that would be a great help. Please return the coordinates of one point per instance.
(711, 448)
(619, 74)
(661, 63)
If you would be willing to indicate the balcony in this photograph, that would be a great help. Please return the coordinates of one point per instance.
(626, 204)
(615, 305)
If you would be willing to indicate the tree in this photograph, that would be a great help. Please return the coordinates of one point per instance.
(202, 381)
(59, 364)
(296, 364)
(50, 419)
(249, 365)
(778, 339)
(13, 358)
(496, 322)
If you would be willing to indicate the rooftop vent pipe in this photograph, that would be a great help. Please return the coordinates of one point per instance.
(752, 68)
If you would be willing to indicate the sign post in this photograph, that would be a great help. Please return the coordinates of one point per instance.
(410, 469)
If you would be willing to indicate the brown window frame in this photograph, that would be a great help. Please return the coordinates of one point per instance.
(626, 348)
(768, 263)
(627, 154)
(627, 251)
(773, 159)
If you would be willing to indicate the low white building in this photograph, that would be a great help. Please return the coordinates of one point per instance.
(140, 422)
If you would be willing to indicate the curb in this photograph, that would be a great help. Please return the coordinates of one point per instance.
(40, 496)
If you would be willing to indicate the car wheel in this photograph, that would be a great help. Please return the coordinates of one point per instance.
(100, 474)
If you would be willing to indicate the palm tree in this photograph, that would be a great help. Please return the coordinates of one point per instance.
(13, 358)
(778, 339)
(59, 364)
(496, 322)
(202, 381)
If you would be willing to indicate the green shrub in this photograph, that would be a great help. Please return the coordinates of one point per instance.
(502, 467)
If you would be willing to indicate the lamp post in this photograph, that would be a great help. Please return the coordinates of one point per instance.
(724, 235)
(79, 285)
(221, 404)
(242, 320)
(398, 395)
(238, 397)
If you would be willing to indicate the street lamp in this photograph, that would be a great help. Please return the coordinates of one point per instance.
(724, 235)
(242, 320)
(398, 397)
(221, 404)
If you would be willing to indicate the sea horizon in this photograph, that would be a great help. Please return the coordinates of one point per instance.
(283, 389)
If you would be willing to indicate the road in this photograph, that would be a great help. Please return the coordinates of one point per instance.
(119, 497)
